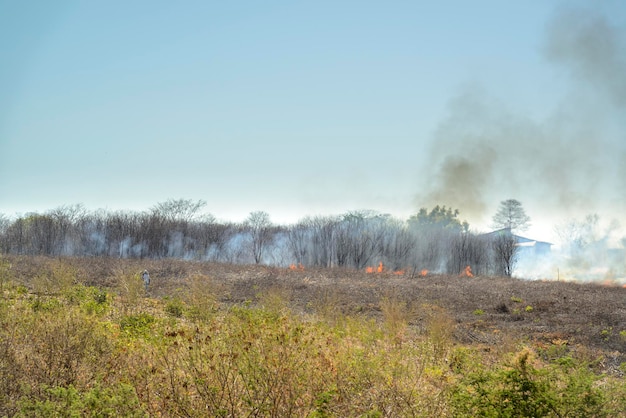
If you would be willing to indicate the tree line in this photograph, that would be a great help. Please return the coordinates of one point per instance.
(435, 240)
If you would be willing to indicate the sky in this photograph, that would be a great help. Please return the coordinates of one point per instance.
(316, 108)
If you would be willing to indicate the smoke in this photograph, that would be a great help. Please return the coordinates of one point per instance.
(592, 49)
(570, 163)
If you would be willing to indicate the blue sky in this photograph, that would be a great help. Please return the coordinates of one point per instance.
(306, 108)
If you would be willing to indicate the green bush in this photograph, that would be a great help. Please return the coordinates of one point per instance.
(562, 388)
(174, 308)
(137, 325)
(120, 400)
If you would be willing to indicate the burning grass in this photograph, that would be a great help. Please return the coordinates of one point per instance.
(82, 335)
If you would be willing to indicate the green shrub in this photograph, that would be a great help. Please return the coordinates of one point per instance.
(174, 308)
(45, 304)
(137, 325)
(562, 388)
(120, 400)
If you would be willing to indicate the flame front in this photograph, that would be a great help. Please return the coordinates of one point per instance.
(467, 272)
(378, 269)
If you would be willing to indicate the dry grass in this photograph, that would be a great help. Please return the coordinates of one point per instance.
(489, 311)
(226, 340)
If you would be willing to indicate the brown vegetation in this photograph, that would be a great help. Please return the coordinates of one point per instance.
(583, 314)
(81, 337)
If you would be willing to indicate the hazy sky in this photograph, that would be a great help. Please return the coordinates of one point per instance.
(313, 108)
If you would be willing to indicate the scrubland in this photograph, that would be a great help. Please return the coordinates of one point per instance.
(82, 337)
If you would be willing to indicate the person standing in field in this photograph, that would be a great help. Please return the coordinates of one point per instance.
(146, 279)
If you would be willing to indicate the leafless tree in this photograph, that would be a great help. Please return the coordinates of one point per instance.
(67, 218)
(358, 238)
(5, 224)
(184, 210)
(505, 252)
(261, 232)
(298, 240)
(323, 247)
(397, 244)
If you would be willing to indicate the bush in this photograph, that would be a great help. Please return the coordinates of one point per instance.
(562, 388)
(174, 308)
(137, 325)
(120, 400)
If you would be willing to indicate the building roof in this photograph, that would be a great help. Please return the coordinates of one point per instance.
(521, 241)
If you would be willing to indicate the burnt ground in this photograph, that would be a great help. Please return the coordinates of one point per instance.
(488, 311)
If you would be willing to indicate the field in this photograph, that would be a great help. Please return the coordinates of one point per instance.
(81, 336)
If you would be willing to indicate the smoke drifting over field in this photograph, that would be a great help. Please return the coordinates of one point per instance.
(570, 163)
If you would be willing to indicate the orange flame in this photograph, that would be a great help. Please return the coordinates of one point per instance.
(467, 272)
(424, 273)
(298, 267)
(398, 272)
(378, 269)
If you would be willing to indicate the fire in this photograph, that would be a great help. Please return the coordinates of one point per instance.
(378, 269)
(298, 267)
(467, 272)
(424, 273)
(399, 272)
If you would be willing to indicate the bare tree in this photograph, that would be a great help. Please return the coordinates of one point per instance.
(323, 245)
(511, 215)
(261, 233)
(358, 238)
(67, 218)
(298, 237)
(505, 253)
(467, 249)
(179, 209)
(5, 244)
(577, 234)
(397, 243)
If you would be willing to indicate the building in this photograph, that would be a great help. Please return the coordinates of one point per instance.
(527, 247)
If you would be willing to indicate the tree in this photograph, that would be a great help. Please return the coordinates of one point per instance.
(505, 252)
(261, 233)
(182, 210)
(578, 234)
(439, 217)
(323, 237)
(298, 237)
(5, 244)
(511, 215)
(357, 237)
(434, 230)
